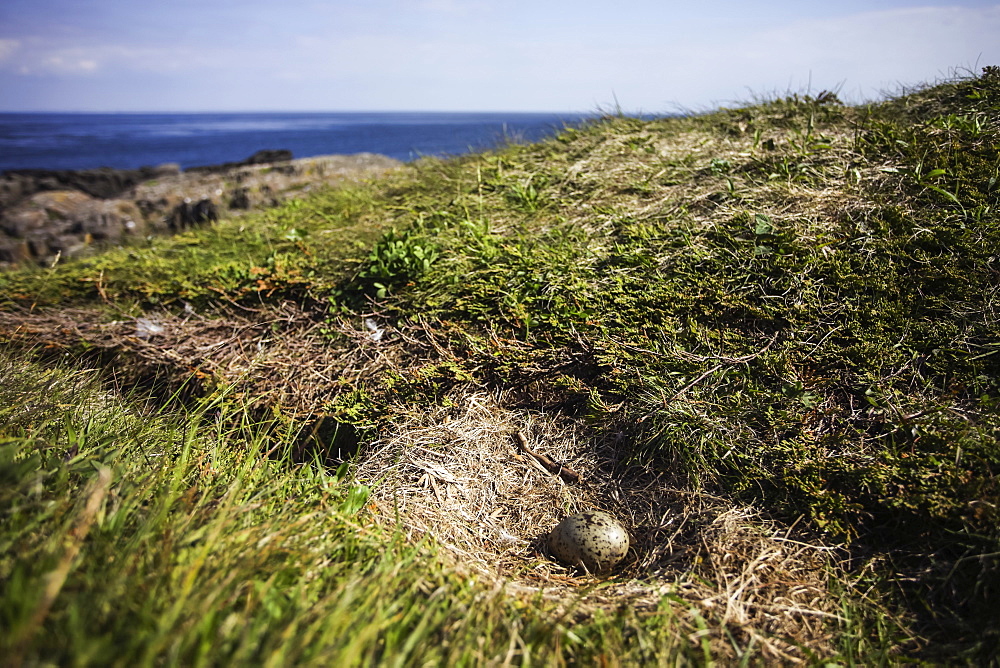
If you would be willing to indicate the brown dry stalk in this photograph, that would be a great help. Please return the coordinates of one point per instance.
(561, 470)
(54, 581)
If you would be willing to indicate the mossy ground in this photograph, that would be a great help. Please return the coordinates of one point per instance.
(792, 306)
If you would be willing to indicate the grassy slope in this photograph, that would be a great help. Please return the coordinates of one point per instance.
(792, 305)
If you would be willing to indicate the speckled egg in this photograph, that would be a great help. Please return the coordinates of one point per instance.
(592, 540)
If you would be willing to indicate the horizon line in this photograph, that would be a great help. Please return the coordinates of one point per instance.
(299, 111)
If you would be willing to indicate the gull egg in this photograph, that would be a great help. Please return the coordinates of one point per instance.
(592, 540)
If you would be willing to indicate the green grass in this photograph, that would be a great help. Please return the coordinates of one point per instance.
(295, 251)
(791, 305)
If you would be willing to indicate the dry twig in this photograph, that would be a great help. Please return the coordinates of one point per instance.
(561, 470)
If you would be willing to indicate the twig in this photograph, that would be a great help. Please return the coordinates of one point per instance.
(561, 470)
(694, 382)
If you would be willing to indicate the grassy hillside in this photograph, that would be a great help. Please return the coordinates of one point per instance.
(765, 337)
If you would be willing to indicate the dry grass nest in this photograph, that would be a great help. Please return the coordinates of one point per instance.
(455, 474)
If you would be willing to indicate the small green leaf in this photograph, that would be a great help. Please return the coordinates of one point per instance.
(945, 193)
(356, 498)
(764, 226)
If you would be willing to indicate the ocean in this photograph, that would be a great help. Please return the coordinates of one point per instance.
(128, 141)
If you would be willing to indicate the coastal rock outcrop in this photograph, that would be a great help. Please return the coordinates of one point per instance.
(47, 215)
(104, 183)
(63, 223)
(265, 157)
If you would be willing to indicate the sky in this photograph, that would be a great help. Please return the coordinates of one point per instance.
(650, 56)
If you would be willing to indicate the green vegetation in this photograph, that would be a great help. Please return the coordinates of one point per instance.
(790, 308)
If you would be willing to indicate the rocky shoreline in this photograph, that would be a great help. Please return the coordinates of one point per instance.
(48, 215)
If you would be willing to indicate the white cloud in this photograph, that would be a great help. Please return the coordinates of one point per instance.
(42, 57)
(35, 56)
(478, 8)
(7, 48)
(448, 6)
(869, 53)
(73, 62)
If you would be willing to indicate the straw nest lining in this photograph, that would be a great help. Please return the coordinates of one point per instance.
(455, 474)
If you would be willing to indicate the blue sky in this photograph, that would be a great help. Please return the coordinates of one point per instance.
(471, 55)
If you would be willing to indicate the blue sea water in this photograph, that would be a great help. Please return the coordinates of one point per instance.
(128, 141)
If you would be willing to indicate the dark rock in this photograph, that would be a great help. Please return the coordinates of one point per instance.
(265, 157)
(103, 183)
(151, 208)
(14, 251)
(40, 248)
(188, 214)
(53, 211)
(240, 199)
(65, 222)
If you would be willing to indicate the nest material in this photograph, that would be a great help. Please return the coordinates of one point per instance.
(269, 357)
(455, 474)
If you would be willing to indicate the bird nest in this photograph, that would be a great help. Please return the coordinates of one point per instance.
(458, 475)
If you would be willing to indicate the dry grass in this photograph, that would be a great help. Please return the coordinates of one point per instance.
(274, 356)
(454, 474)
